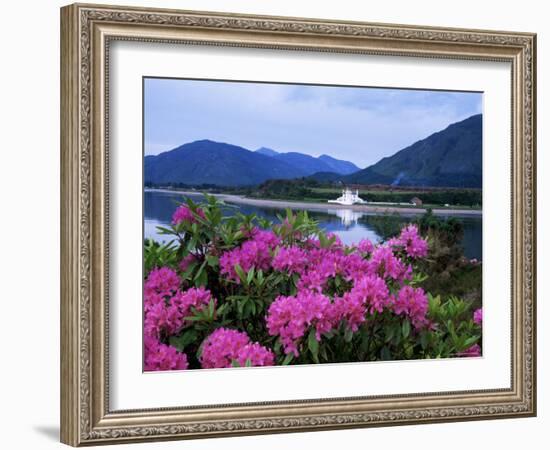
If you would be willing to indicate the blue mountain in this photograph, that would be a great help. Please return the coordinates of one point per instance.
(217, 163)
(339, 165)
(309, 164)
(267, 151)
(221, 164)
(451, 157)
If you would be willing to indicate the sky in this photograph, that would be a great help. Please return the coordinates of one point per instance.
(357, 124)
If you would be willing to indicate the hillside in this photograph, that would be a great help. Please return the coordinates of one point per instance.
(215, 163)
(209, 162)
(451, 158)
(338, 165)
(310, 164)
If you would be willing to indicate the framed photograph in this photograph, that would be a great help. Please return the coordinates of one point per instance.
(277, 224)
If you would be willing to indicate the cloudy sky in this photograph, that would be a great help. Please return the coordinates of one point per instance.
(357, 124)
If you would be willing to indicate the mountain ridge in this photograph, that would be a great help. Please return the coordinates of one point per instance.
(219, 163)
(451, 157)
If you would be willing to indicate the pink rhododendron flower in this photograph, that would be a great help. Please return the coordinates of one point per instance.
(193, 299)
(224, 346)
(365, 246)
(163, 281)
(166, 317)
(162, 320)
(291, 317)
(323, 264)
(292, 259)
(415, 246)
(159, 356)
(412, 302)
(265, 237)
(355, 266)
(385, 264)
(184, 214)
(473, 351)
(373, 292)
(255, 354)
(256, 252)
(478, 316)
(370, 293)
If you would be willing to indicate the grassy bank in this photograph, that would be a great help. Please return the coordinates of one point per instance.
(311, 190)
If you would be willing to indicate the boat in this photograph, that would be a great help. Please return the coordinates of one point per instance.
(348, 198)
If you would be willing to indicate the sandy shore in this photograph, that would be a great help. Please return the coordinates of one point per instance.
(266, 203)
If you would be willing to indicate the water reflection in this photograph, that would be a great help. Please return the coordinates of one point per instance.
(351, 226)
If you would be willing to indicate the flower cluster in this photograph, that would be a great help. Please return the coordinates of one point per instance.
(166, 308)
(411, 241)
(291, 259)
(184, 214)
(255, 252)
(301, 295)
(224, 347)
(386, 264)
(368, 294)
(365, 246)
(161, 282)
(478, 316)
(159, 356)
(291, 317)
(413, 303)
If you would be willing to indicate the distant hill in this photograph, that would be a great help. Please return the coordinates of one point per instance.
(309, 164)
(217, 163)
(209, 162)
(338, 165)
(326, 177)
(267, 151)
(451, 158)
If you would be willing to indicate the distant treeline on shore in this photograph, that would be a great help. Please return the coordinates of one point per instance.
(307, 189)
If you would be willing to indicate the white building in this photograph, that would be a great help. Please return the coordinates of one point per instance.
(348, 198)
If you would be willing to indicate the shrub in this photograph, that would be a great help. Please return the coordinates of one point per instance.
(241, 291)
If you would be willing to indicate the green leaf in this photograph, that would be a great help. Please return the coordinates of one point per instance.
(250, 275)
(289, 214)
(424, 340)
(313, 345)
(348, 334)
(163, 230)
(249, 308)
(385, 354)
(406, 328)
(240, 272)
(180, 342)
(199, 272)
(288, 359)
(202, 280)
(213, 261)
(389, 333)
(211, 308)
(470, 341)
(187, 274)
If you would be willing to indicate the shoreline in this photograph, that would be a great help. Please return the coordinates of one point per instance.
(294, 204)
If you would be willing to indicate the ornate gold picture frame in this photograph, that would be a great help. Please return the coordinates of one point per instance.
(87, 32)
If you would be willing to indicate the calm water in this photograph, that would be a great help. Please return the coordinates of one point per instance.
(351, 226)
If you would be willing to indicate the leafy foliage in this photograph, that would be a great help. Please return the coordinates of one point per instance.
(234, 291)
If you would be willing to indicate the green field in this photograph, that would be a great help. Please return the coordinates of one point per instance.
(312, 191)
